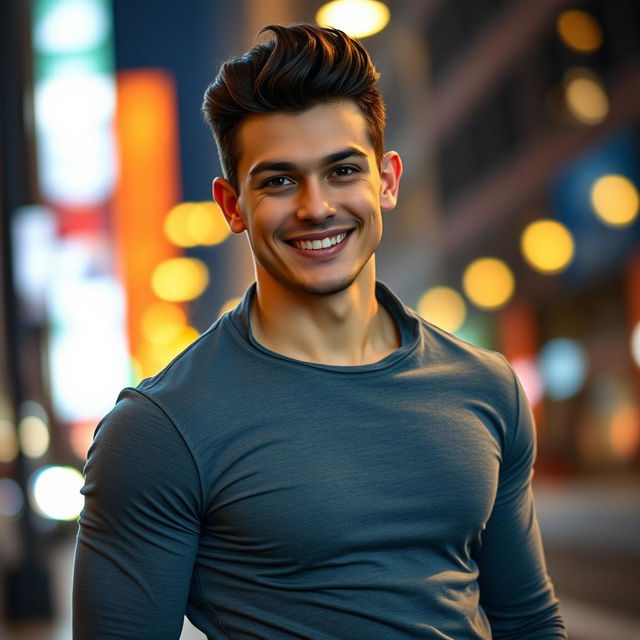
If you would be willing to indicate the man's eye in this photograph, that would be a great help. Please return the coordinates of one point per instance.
(277, 181)
(342, 172)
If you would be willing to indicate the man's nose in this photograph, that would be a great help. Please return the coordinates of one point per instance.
(313, 204)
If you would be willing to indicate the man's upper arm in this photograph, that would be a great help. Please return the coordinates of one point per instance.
(515, 590)
(139, 528)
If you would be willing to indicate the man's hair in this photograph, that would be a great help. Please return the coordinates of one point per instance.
(300, 67)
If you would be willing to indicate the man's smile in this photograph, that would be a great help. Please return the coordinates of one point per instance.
(319, 240)
(322, 244)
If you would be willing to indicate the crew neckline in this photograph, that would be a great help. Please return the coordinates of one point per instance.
(405, 319)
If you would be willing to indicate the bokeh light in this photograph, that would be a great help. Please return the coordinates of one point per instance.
(579, 30)
(488, 283)
(72, 25)
(444, 307)
(563, 365)
(357, 18)
(163, 322)
(33, 434)
(230, 304)
(176, 228)
(11, 498)
(615, 200)
(547, 246)
(624, 431)
(206, 223)
(55, 492)
(161, 354)
(196, 223)
(9, 446)
(180, 279)
(585, 96)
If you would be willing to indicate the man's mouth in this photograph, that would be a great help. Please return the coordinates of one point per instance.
(324, 243)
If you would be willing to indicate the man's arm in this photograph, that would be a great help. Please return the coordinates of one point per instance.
(515, 590)
(139, 528)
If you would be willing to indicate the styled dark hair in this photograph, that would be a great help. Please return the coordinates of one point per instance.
(301, 66)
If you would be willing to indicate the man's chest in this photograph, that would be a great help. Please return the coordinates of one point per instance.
(306, 477)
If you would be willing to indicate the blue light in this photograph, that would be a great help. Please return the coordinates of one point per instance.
(563, 365)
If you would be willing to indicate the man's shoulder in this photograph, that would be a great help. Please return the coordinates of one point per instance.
(207, 357)
(200, 372)
(450, 349)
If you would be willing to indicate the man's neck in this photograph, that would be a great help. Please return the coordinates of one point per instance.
(347, 328)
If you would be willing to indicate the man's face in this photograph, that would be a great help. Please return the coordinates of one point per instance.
(310, 196)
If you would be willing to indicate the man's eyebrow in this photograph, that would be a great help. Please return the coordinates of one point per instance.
(276, 165)
(343, 155)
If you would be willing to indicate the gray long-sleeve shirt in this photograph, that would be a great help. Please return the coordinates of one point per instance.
(274, 499)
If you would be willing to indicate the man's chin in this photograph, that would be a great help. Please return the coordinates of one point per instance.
(322, 289)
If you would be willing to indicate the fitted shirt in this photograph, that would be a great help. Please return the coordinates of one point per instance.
(275, 499)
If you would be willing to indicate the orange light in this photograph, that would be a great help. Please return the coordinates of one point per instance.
(148, 186)
(624, 432)
(580, 31)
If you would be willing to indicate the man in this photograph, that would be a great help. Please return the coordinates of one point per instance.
(321, 464)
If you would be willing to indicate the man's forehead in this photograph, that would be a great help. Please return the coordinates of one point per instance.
(303, 137)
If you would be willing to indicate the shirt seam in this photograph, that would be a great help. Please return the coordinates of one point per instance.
(210, 607)
(323, 369)
(184, 440)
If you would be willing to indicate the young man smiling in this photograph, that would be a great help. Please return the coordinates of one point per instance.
(309, 195)
(321, 464)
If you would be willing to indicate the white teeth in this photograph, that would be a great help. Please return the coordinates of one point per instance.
(325, 243)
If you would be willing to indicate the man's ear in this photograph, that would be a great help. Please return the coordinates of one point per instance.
(225, 195)
(390, 172)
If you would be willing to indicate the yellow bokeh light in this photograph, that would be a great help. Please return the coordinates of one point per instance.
(206, 223)
(357, 18)
(228, 305)
(176, 226)
(8, 442)
(488, 283)
(580, 31)
(547, 246)
(163, 322)
(163, 354)
(585, 96)
(615, 200)
(179, 279)
(443, 307)
(33, 434)
(192, 223)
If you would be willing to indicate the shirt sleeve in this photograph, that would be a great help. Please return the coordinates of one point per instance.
(139, 529)
(515, 590)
